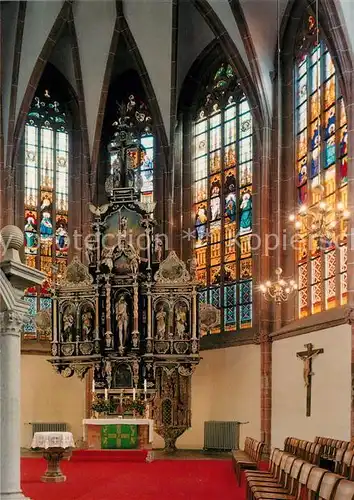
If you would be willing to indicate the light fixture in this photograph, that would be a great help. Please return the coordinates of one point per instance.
(278, 290)
(320, 220)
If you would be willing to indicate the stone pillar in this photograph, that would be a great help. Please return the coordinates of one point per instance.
(15, 277)
(10, 359)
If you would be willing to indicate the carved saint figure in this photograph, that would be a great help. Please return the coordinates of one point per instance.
(87, 325)
(161, 323)
(107, 260)
(108, 339)
(68, 326)
(123, 228)
(193, 264)
(181, 321)
(122, 317)
(158, 247)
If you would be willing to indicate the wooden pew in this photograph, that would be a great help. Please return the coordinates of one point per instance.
(247, 459)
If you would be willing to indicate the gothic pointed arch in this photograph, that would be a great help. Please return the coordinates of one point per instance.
(45, 198)
(219, 203)
(316, 163)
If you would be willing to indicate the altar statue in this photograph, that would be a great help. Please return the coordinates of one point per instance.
(181, 321)
(87, 325)
(122, 317)
(68, 326)
(161, 323)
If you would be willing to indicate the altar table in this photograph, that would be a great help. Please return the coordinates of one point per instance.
(118, 433)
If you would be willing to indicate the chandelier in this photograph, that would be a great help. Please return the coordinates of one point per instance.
(319, 221)
(278, 290)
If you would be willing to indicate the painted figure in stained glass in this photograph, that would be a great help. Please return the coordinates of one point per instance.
(215, 199)
(315, 139)
(331, 123)
(31, 233)
(230, 206)
(46, 203)
(303, 172)
(61, 235)
(343, 141)
(315, 162)
(330, 151)
(201, 220)
(46, 226)
(344, 170)
(246, 212)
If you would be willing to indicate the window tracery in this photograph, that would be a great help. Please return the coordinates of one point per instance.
(46, 170)
(142, 157)
(321, 159)
(222, 169)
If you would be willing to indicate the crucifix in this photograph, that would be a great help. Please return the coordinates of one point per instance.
(307, 357)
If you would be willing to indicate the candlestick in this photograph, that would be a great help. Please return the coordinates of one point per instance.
(106, 394)
(145, 385)
(134, 394)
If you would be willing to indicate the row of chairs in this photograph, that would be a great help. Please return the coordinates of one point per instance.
(330, 446)
(311, 452)
(249, 458)
(344, 463)
(292, 478)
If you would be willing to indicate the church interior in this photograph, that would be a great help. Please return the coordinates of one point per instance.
(177, 307)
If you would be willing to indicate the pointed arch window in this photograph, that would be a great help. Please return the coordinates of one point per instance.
(46, 170)
(321, 159)
(143, 156)
(222, 168)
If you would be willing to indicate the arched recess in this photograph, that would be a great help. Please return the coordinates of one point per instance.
(125, 75)
(333, 39)
(193, 91)
(47, 197)
(63, 22)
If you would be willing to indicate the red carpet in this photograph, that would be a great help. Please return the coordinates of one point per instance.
(109, 456)
(159, 480)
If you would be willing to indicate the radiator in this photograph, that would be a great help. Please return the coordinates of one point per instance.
(221, 435)
(48, 427)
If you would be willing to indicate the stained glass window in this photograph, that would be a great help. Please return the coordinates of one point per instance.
(46, 168)
(222, 210)
(321, 160)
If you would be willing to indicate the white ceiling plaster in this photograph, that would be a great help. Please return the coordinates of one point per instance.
(346, 13)
(40, 17)
(62, 59)
(9, 23)
(94, 22)
(261, 18)
(194, 35)
(150, 22)
(223, 10)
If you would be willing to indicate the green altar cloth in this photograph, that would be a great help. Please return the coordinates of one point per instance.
(115, 437)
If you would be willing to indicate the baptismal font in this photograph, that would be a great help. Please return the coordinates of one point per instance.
(129, 316)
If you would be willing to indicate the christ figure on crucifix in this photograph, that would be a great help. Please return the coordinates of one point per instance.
(307, 357)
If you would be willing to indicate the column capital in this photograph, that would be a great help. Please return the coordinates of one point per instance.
(11, 322)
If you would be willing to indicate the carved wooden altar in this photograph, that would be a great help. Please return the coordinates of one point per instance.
(127, 315)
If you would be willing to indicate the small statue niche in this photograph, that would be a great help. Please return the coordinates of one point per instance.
(68, 333)
(122, 316)
(181, 321)
(161, 323)
(87, 322)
